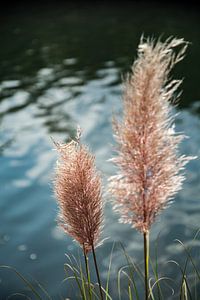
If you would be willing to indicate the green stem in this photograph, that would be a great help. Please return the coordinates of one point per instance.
(87, 272)
(97, 271)
(146, 262)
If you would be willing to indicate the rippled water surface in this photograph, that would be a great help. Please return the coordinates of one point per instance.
(61, 66)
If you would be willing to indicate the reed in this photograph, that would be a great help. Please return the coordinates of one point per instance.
(147, 155)
(78, 190)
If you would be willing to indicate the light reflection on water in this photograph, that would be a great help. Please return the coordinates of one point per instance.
(52, 103)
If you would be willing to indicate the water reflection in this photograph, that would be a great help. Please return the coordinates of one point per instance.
(28, 165)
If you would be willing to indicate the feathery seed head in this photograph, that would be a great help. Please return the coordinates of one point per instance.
(147, 155)
(78, 189)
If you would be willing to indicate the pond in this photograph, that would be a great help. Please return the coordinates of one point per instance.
(62, 65)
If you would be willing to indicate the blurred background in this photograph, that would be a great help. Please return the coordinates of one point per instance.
(62, 64)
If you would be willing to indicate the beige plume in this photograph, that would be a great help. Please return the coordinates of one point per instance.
(148, 158)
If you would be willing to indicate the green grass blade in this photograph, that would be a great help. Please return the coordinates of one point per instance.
(131, 262)
(18, 294)
(129, 292)
(131, 270)
(43, 290)
(155, 270)
(190, 257)
(105, 292)
(184, 288)
(83, 281)
(119, 283)
(183, 279)
(108, 273)
(75, 271)
(27, 282)
(155, 284)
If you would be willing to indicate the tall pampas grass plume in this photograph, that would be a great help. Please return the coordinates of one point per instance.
(148, 160)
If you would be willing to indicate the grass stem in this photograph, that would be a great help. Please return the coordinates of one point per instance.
(97, 272)
(146, 263)
(87, 272)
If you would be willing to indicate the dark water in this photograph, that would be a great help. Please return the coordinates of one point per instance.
(61, 65)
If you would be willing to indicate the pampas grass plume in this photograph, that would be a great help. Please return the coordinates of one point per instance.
(148, 158)
(78, 190)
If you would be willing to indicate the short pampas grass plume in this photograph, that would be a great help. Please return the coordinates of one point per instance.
(78, 191)
(148, 158)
